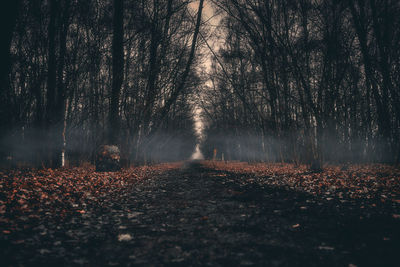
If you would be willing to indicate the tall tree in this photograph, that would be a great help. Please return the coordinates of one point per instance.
(51, 94)
(9, 13)
(67, 55)
(182, 82)
(8, 19)
(117, 70)
(322, 74)
(57, 31)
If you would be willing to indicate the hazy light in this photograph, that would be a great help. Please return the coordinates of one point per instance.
(197, 153)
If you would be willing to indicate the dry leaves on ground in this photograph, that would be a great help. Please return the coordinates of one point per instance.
(27, 195)
(368, 181)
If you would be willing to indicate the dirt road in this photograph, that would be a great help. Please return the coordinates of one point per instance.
(198, 217)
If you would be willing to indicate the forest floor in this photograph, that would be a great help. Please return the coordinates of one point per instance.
(201, 213)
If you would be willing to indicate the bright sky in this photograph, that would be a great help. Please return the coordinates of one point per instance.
(209, 16)
(207, 9)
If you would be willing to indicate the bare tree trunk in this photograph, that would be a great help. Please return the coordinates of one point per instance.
(51, 84)
(64, 134)
(61, 106)
(9, 14)
(8, 20)
(55, 105)
(117, 71)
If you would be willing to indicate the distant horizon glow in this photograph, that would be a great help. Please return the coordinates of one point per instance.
(198, 127)
(197, 155)
(208, 15)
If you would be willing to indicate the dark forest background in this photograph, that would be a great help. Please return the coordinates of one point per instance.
(301, 81)
(306, 81)
(84, 73)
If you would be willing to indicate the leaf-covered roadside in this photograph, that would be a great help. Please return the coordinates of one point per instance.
(198, 216)
(377, 182)
(28, 197)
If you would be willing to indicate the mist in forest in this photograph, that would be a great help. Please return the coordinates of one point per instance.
(197, 154)
(133, 88)
(31, 148)
(315, 81)
(293, 149)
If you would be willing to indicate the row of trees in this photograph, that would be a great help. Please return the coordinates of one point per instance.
(306, 81)
(83, 73)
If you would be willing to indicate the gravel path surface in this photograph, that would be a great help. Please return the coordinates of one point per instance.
(198, 216)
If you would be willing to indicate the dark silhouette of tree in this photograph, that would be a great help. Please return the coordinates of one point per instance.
(117, 69)
(292, 81)
(9, 15)
(85, 73)
(309, 77)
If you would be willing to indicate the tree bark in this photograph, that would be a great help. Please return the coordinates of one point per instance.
(9, 15)
(8, 20)
(384, 126)
(51, 85)
(60, 112)
(117, 71)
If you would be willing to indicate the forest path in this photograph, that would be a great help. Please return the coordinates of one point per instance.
(199, 216)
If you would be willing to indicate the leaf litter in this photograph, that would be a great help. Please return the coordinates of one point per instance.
(211, 213)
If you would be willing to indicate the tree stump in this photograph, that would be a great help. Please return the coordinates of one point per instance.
(108, 159)
(316, 166)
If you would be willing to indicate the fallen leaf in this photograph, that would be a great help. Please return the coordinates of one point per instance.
(124, 237)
